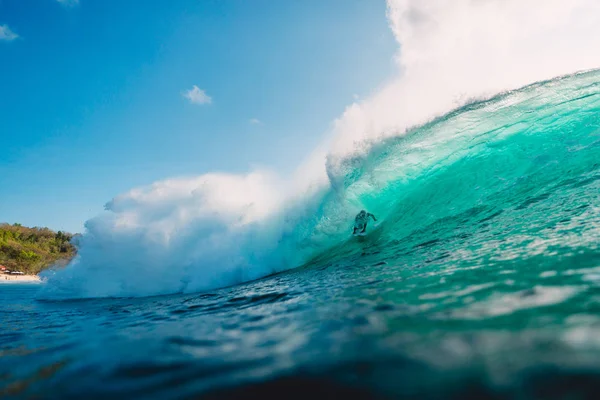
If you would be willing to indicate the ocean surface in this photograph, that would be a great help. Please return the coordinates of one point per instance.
(481, 280)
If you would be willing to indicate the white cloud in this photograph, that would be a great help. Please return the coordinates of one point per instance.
(68, 3)
(197, 96)
(255, 121)
(7, 34)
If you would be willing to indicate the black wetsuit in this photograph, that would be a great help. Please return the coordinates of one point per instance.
(361, 220)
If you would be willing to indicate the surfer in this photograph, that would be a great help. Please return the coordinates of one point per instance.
(361, 220)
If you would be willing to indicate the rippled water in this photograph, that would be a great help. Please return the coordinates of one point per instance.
(350, 330)
(481, 281)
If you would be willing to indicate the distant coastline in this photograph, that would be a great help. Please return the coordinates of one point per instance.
(25, 252)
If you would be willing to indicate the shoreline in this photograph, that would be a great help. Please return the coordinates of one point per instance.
(5, 278)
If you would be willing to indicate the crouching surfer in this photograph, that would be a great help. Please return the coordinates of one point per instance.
(360, 222)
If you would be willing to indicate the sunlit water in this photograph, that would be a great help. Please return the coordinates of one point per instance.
(483, 279)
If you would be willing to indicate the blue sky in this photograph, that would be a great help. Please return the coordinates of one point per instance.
(93, 93)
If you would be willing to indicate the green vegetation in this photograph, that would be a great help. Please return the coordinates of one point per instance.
(31, 250)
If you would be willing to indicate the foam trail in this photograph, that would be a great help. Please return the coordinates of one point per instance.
(191, 234)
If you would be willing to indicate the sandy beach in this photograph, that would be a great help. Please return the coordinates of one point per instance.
(5, 278)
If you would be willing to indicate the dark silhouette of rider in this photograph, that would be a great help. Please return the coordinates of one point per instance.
(361, 220)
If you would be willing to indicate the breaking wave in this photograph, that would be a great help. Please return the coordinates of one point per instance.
(403, 154)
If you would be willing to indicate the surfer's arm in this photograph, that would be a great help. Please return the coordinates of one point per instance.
(372, 216)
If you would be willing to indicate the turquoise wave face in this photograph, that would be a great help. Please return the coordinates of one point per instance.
(511, 180)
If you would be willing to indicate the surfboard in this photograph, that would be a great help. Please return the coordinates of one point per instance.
(370, 232)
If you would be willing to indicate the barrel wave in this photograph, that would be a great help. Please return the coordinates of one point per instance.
(503, 180)
(480, 158)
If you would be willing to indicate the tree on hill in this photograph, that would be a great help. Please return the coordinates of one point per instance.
(31, 250)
